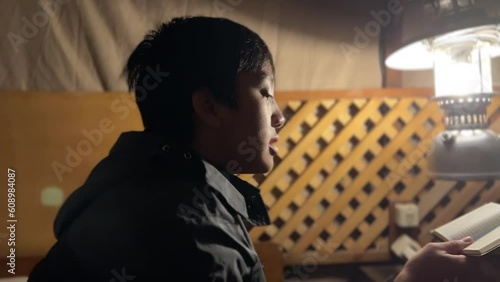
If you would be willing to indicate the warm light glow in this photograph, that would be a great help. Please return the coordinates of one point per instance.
(461, 60)
(462, 75)
(462, 65)
(415, 56)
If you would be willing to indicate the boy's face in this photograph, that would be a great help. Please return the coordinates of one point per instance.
(251, 127)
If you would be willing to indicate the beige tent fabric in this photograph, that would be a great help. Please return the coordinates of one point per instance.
(82, 45)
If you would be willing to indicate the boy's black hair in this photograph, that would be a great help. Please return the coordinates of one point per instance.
(187, 54)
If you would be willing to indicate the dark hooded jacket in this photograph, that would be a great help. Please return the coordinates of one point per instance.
(155, 211)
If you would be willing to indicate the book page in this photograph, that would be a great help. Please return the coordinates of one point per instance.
(476, 223)
(485, 244)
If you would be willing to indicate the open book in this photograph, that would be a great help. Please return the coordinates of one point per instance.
(482, 224)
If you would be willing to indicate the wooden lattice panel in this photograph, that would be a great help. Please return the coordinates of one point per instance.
(341, 163)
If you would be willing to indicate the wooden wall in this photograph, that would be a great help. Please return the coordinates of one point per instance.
(344, 159)
(41, 134)
(345, 156)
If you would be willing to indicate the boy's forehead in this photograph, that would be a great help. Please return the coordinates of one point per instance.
(259, 76)
(266, 75)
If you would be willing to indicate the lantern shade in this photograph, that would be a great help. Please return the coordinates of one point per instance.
(407, 37)
(465, 155)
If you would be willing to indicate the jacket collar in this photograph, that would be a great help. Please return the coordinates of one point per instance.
(243, 197)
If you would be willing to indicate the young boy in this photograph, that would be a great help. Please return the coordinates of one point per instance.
(165, 204)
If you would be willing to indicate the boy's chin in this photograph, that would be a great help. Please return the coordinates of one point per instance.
(261, 166)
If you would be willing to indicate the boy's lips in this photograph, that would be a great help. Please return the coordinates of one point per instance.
(273, 149)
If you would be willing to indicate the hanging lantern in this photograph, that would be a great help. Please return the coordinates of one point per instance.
(458, 40)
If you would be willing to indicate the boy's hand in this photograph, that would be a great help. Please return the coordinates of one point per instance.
(437, 262)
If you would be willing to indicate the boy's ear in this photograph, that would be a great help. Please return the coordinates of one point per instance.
(206, 109)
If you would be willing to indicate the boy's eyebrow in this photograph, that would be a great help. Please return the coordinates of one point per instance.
(264, 76)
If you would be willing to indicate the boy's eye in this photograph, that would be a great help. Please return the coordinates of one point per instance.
(266, 94)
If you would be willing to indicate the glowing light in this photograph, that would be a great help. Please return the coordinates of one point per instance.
(52, 196)
(462, 68)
